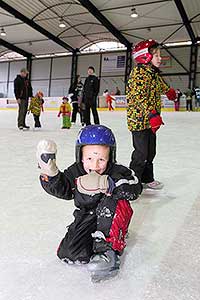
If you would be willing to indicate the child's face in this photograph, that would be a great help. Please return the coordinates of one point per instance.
(95, 158)
(156, 60)
(90, 71)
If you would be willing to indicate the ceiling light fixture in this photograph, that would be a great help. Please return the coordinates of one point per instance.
(178, 44)
(61, 23)
(134, 13)
(3, 33)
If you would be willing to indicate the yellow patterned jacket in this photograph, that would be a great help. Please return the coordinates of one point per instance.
(143, 94)
(36, 105)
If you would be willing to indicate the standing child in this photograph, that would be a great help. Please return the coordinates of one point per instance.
(101, 190)
(109, 99)
(36, 106)
(65, 111)
(143, 94)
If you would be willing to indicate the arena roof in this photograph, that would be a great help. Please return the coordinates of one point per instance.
(32, 26)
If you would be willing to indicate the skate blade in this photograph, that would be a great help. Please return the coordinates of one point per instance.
(102, 276)
(158, 188)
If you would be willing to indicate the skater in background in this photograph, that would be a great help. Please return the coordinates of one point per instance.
(109, 99)
(65, 111)
(189, 93)
(177, 100)
(23, 90)
(117, 92)
(143, 94)
(90, 93)
(197, 97)
(36, 106)
(101, 190)
(76, 93)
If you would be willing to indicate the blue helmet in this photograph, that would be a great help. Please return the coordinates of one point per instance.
(96, 135)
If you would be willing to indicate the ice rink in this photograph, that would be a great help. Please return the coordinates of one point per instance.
(162, 258)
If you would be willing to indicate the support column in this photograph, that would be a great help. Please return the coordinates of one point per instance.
(50, 77)
(74, 65)
(8, 79)
(29, 66)
(193, 66)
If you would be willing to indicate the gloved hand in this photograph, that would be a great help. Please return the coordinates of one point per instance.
(171, 94)
(155, 120)
(58, 114)
(94, 183)
(46, 157)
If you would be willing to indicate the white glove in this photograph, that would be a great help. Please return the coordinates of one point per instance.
(46, 157)
(70, 96)
(93, 183)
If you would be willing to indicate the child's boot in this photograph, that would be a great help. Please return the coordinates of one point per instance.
(105, 262)
(103, 266)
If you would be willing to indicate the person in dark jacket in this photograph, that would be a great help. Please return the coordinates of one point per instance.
(22, 90)
(76, 94)
(90, 92)
(101, 190)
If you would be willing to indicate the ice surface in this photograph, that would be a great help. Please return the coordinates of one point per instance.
(162, 258)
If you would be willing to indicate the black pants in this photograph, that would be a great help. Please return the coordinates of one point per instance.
(188, 104)
(37, 120)
(144, 143)
(78, 242)
(91, 105)
(111, 217)
(23, 107)
(76, 110)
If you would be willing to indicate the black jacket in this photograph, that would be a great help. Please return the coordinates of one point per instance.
(76, 90)
(22, 88)
(90, 88)
(63, 185)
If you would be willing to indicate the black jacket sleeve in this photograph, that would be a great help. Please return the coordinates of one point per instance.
(18, 87)
(63, 186)
(127, 185)
(59, 186)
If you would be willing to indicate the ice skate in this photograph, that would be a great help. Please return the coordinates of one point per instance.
(154, 185)
(25, 127)
(103, 266)
(37, 128)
